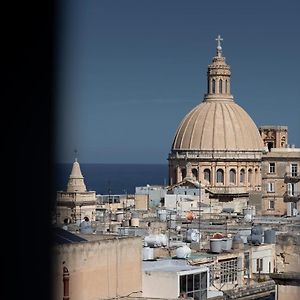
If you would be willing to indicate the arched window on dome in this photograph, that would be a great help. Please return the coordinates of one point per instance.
(242, 176)
(232, 176)
(213, 86)
(195, 173)
(226, 86)
(207, 175)
(250, 176)
(220, 86)
(183, 173)
(220, 176)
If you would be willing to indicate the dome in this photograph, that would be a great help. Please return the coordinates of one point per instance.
(217, 125)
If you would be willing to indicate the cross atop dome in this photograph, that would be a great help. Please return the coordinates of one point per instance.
(219, 48)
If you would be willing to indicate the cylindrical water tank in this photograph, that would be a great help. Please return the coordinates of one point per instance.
(269, 236)
(226, 244)
(125, 223)
(237, 242)
(120, 216)
(148, 253)
(162, 215)
(215, 245)
(156, 240)
(183, 252)
(255, 239)
(114, 227)
(192, 235)
(85, 227)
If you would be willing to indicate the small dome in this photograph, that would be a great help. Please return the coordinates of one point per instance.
(217, 125)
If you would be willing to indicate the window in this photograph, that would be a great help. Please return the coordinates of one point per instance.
(207, 175)
(272, 167)
(294, 169)
(183, 172)
(220, 176)
(250, 176)
(194, 285)
(271, 187)
(226, 86)
(271, 204)
(213, 86)
(195, 173)
(228, 270)
(220, 86)
(291, 189)
(242, 176)
(259, 264)
(232, 176)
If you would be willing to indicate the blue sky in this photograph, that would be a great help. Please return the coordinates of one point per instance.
(127, 72)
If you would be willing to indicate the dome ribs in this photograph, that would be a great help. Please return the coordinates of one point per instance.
(201, 146)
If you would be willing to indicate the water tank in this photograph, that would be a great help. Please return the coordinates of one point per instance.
(114, 227)
(85, 227)
(192, 235)
(120, 216)
(248, 218)
(125, 223)
(215, 245)
(148, 253)
(156, 240)
(249, 210)
(162, 215)
(228, 210)
(269, 236)
(257, 229)
(237, 242)
(226, 244)
(244, 233)
(255, 239)
(183, 252)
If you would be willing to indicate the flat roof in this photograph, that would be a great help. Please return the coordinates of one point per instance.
(170, 265)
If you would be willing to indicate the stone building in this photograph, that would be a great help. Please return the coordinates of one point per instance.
(217, 143)
(280, 172)
(76, 202)
(99, 267)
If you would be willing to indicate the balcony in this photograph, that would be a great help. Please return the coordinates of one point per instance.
(288, 197)
(292, 177)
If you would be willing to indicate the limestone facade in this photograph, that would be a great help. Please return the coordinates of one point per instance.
(106, 268)
(76, 202)
(281, 180)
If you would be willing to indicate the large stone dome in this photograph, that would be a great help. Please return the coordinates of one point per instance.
(217, 125)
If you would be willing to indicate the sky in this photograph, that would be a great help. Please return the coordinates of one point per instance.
(127, 72)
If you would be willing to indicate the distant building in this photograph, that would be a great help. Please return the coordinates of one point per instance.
(280, 173)
(76, 202)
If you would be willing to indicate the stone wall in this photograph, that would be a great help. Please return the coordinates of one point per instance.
(99, 269)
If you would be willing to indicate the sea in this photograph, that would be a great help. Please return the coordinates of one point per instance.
(113, 178)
